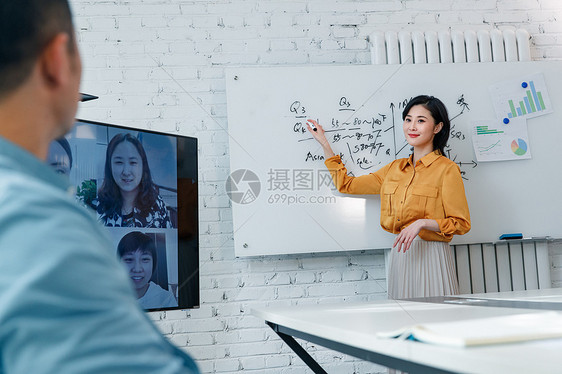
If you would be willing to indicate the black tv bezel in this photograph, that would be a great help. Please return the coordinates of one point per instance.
(188, 270)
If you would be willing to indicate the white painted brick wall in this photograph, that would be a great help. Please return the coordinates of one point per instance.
(159, 64)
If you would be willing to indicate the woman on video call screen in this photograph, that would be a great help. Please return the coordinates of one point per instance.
(129, 178)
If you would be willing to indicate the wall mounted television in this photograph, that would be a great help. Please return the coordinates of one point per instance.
(143, 186)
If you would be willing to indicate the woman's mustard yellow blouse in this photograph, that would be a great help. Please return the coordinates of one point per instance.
(433, 189)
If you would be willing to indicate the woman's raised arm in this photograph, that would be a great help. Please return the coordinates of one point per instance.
(317, 132)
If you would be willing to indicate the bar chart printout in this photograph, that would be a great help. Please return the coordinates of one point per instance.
(495, 141)
(526, 97)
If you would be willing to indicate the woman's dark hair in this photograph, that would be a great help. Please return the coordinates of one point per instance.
(137, 241)
(26, 27)
(66, 146)
(439, 113)
(109, 195)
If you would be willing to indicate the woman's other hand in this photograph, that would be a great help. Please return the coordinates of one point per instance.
(408, 234)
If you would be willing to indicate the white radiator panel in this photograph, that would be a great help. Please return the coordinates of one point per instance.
(502, 267)
(446, 46)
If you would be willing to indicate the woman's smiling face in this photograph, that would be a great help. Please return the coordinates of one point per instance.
(139, 264)
(420, 127)
(126, 166)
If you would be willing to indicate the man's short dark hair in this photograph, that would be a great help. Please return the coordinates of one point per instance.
(26, 27)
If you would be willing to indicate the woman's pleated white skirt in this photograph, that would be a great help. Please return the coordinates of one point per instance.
(426, 269)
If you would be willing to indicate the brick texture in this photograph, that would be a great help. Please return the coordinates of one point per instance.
(159, 64)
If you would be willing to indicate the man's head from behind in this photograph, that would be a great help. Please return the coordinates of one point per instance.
(37, 42)
(26, 27)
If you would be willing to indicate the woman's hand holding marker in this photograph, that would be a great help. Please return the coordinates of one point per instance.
(317, 132)
(312, 124)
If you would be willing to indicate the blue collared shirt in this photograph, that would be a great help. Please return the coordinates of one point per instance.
(66, 304)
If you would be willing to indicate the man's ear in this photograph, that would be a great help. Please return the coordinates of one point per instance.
(54, 61)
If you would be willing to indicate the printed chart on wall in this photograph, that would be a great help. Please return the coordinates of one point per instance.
(515, 100)
(524, 97)
(494, 140)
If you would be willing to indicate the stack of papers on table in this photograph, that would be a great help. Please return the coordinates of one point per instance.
(493, 330)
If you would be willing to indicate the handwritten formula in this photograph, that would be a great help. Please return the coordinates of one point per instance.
(369, 139)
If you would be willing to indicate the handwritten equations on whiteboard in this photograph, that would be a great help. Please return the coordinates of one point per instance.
(361, 107)
(494, 140)
(367, 141)
(524, 97)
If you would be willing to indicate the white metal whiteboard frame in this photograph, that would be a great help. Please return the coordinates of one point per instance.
(241, 136)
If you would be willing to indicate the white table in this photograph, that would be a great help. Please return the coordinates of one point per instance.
(352, 329)
(544, 299)
(545, 295)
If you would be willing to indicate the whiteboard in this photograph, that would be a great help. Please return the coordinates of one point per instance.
(283, 201)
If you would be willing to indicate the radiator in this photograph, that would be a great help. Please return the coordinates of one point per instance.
(521, 265)
(511, 266)
(447, 46)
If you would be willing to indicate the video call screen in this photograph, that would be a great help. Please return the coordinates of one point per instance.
(142, 186)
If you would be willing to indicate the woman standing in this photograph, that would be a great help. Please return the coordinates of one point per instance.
(422, 201)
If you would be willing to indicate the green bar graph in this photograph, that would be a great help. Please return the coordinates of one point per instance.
(531, 102)
(530, 97)
(540, 99)
(484, 130)
(512, 107)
